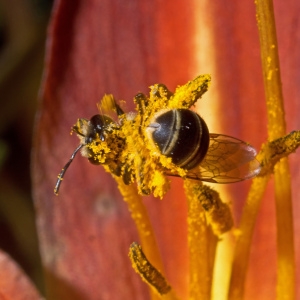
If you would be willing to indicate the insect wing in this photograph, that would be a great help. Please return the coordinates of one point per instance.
(227, 160)
(109, 107)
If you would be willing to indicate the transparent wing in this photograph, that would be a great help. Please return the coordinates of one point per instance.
(228, 160)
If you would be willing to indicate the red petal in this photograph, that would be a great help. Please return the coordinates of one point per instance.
(97, 47)
(14, 284)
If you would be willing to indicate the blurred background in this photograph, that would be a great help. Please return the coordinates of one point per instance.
(23, 26)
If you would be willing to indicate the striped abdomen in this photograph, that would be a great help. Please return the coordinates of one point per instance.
(180, 134)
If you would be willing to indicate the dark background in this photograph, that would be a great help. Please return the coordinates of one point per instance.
(22, 45)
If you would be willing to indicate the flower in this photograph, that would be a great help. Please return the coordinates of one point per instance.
(121, 48)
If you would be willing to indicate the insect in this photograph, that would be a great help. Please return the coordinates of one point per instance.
(163, 137)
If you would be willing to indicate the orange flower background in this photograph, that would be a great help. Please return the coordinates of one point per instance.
(96, 47)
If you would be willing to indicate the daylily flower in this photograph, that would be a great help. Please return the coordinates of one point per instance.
(120, 47)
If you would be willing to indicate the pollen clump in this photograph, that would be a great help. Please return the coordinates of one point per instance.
(161, 181)
(147, 271)
(108, 150)
(187, 95)
(106, 104)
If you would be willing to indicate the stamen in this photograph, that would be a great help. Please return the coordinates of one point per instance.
(202, 244)
(286, 268)
(147, 271)
(273, 151)
(140, 216)
(270, 154)
(218, 213)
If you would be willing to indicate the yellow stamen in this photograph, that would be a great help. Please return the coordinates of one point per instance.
(242, 249)
(276, 129)
(217, 213)
(187, 95)
(202, 245)
(270, 154)
(149, 273)
(140, 216)
(273, 151)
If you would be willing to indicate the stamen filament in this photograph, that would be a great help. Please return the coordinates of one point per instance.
(243, 245)
(277, 128)
(140, 216)
(202, 245)
(269, 155)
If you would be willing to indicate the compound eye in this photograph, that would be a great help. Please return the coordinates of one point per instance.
(98, 126)
(100, 121)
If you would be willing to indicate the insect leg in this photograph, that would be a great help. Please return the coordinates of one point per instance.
(119, 110)
(139, 164)
(142, 102)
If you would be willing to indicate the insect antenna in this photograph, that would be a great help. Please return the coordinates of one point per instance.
(61, 175)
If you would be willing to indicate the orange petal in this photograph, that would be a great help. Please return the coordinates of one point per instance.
(14, 284)
(95, 48)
